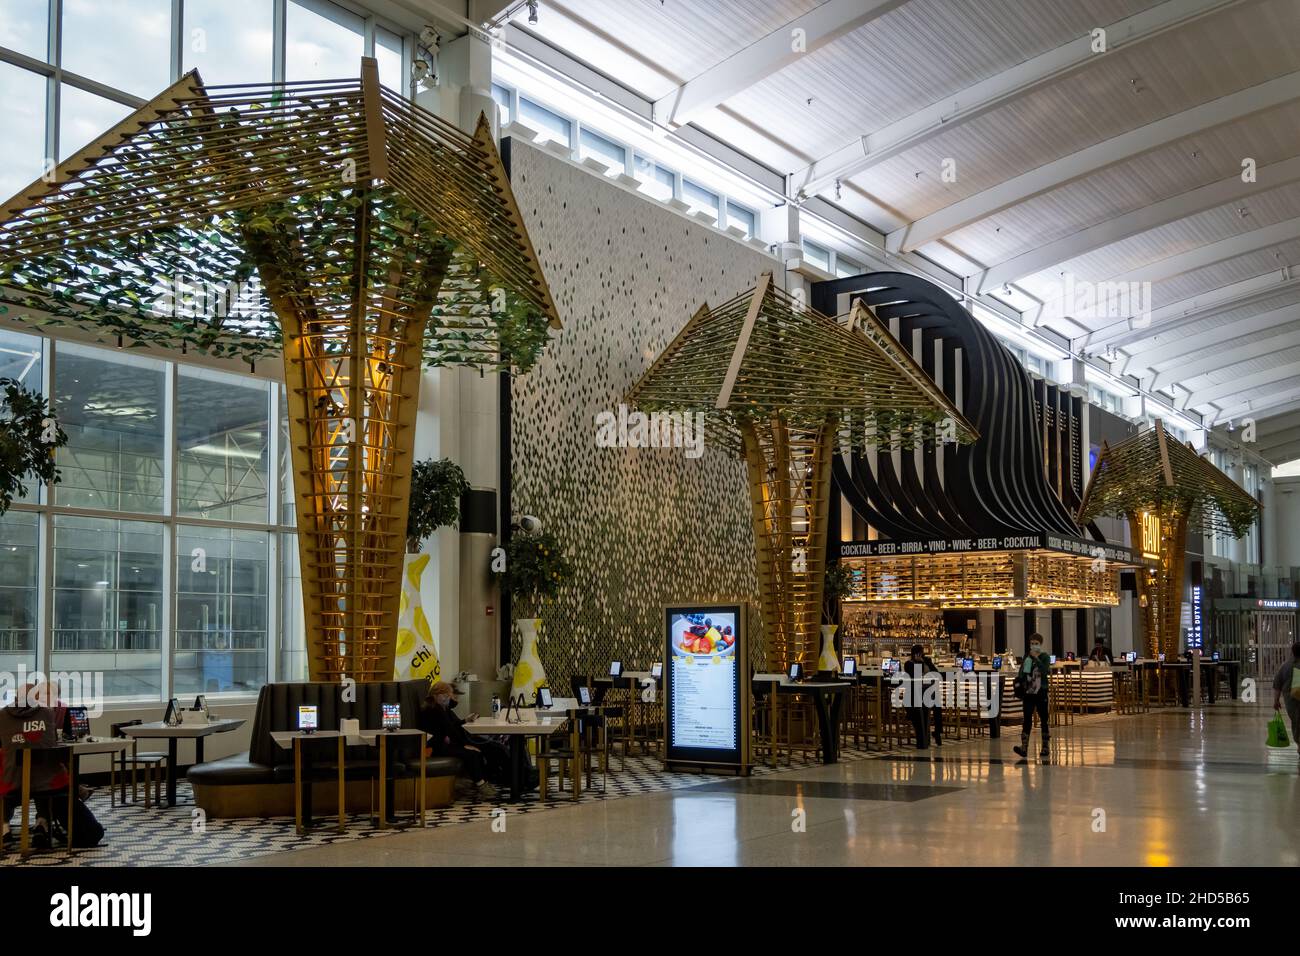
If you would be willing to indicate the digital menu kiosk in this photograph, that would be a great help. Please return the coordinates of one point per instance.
(706, 686)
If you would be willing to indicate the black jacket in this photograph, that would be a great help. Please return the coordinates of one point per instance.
(445, 729)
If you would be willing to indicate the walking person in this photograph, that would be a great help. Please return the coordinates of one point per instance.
(1034, 672)
(1285, 687)
(917, 667)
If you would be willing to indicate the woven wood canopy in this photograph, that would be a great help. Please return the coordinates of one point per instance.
(130, 233)
(1153, 472)
(764, 355)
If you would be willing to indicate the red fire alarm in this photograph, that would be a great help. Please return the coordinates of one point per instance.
(490, 610)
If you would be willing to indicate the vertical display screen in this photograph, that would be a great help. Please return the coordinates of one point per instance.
(705, 698)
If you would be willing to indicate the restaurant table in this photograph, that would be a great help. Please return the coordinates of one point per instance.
(828, 713)
(157, 730)
(302, 796)
(529, 725)
(371, 737)
(1209, 672)
(75, 750)
(633, 682)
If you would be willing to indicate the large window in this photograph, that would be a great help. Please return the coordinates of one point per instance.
(22, 117)
(388, 51)
(550, 126)
(606, 151)
(229, 41)
(700, 199)
(292, 636)
(325, 42)
(19, 583)
(109, 602)
(125, 44)
(223, 432)
(98, 573)
(25, 26)
(84, 117)
(115, 415)
(656, 180)
(222, 600)
(20, 359)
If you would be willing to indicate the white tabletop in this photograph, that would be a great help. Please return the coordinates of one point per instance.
(285, 738)
(530, 725)
(100, 745)
(785, 681)
(371, 737)
(158, 729)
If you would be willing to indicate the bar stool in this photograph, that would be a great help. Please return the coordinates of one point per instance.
(152, 761)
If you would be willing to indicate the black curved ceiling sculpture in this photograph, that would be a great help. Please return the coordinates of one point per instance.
(1025, 474)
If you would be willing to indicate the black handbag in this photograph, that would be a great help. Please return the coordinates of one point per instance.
(1020, 686)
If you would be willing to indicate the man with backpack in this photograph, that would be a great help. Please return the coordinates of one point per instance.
(1031, 688)
(1286, 687)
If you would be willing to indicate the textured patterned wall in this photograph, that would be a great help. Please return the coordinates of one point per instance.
(644, 527)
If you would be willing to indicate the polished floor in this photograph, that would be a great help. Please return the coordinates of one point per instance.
(1168, 788)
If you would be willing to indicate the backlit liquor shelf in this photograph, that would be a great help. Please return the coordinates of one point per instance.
(1039, 578)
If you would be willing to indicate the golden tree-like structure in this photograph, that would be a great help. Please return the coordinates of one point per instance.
(784, 385)
(383, 239)
(1161, 487)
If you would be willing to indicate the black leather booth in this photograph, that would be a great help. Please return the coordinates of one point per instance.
(260, 782)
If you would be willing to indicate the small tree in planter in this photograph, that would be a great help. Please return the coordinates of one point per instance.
(838, 585)
(535, 569)
(436, 490)
(29, 434)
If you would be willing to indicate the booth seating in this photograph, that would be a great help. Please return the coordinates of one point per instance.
(259, 783)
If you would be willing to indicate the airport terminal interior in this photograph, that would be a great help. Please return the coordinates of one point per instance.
(649, 433)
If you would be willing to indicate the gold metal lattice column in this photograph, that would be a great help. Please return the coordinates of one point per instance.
(789, 485)
(1160, 589)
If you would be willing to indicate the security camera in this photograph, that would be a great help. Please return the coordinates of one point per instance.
(430, 39)
(528, 523)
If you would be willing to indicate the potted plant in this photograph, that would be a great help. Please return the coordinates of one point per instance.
(436, 490)
(29, 434)
(837, 585)
(535, 569)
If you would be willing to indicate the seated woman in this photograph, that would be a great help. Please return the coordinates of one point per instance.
(448, 738)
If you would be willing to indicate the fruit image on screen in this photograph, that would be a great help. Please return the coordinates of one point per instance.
(704, 635)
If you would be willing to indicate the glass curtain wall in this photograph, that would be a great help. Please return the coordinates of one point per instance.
(166, 558)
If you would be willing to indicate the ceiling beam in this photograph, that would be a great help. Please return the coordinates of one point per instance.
(1126, 332)
(766, 56)
(1136, 222)
(1277, 427)
(1175, 346)
(1259, 407)
(993, 92)
(1244, 383)
(1280, 454)
(1212, 253)
(1091, 159)
(1226, 358)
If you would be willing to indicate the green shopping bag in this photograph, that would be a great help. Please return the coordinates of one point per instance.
(1277, 736)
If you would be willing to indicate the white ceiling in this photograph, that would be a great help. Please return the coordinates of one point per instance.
(1114, 143)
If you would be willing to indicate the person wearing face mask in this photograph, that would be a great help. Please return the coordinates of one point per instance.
(448, 737)
(917, 667)
(1035, 671)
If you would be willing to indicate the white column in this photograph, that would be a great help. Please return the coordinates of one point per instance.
(459, 419)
